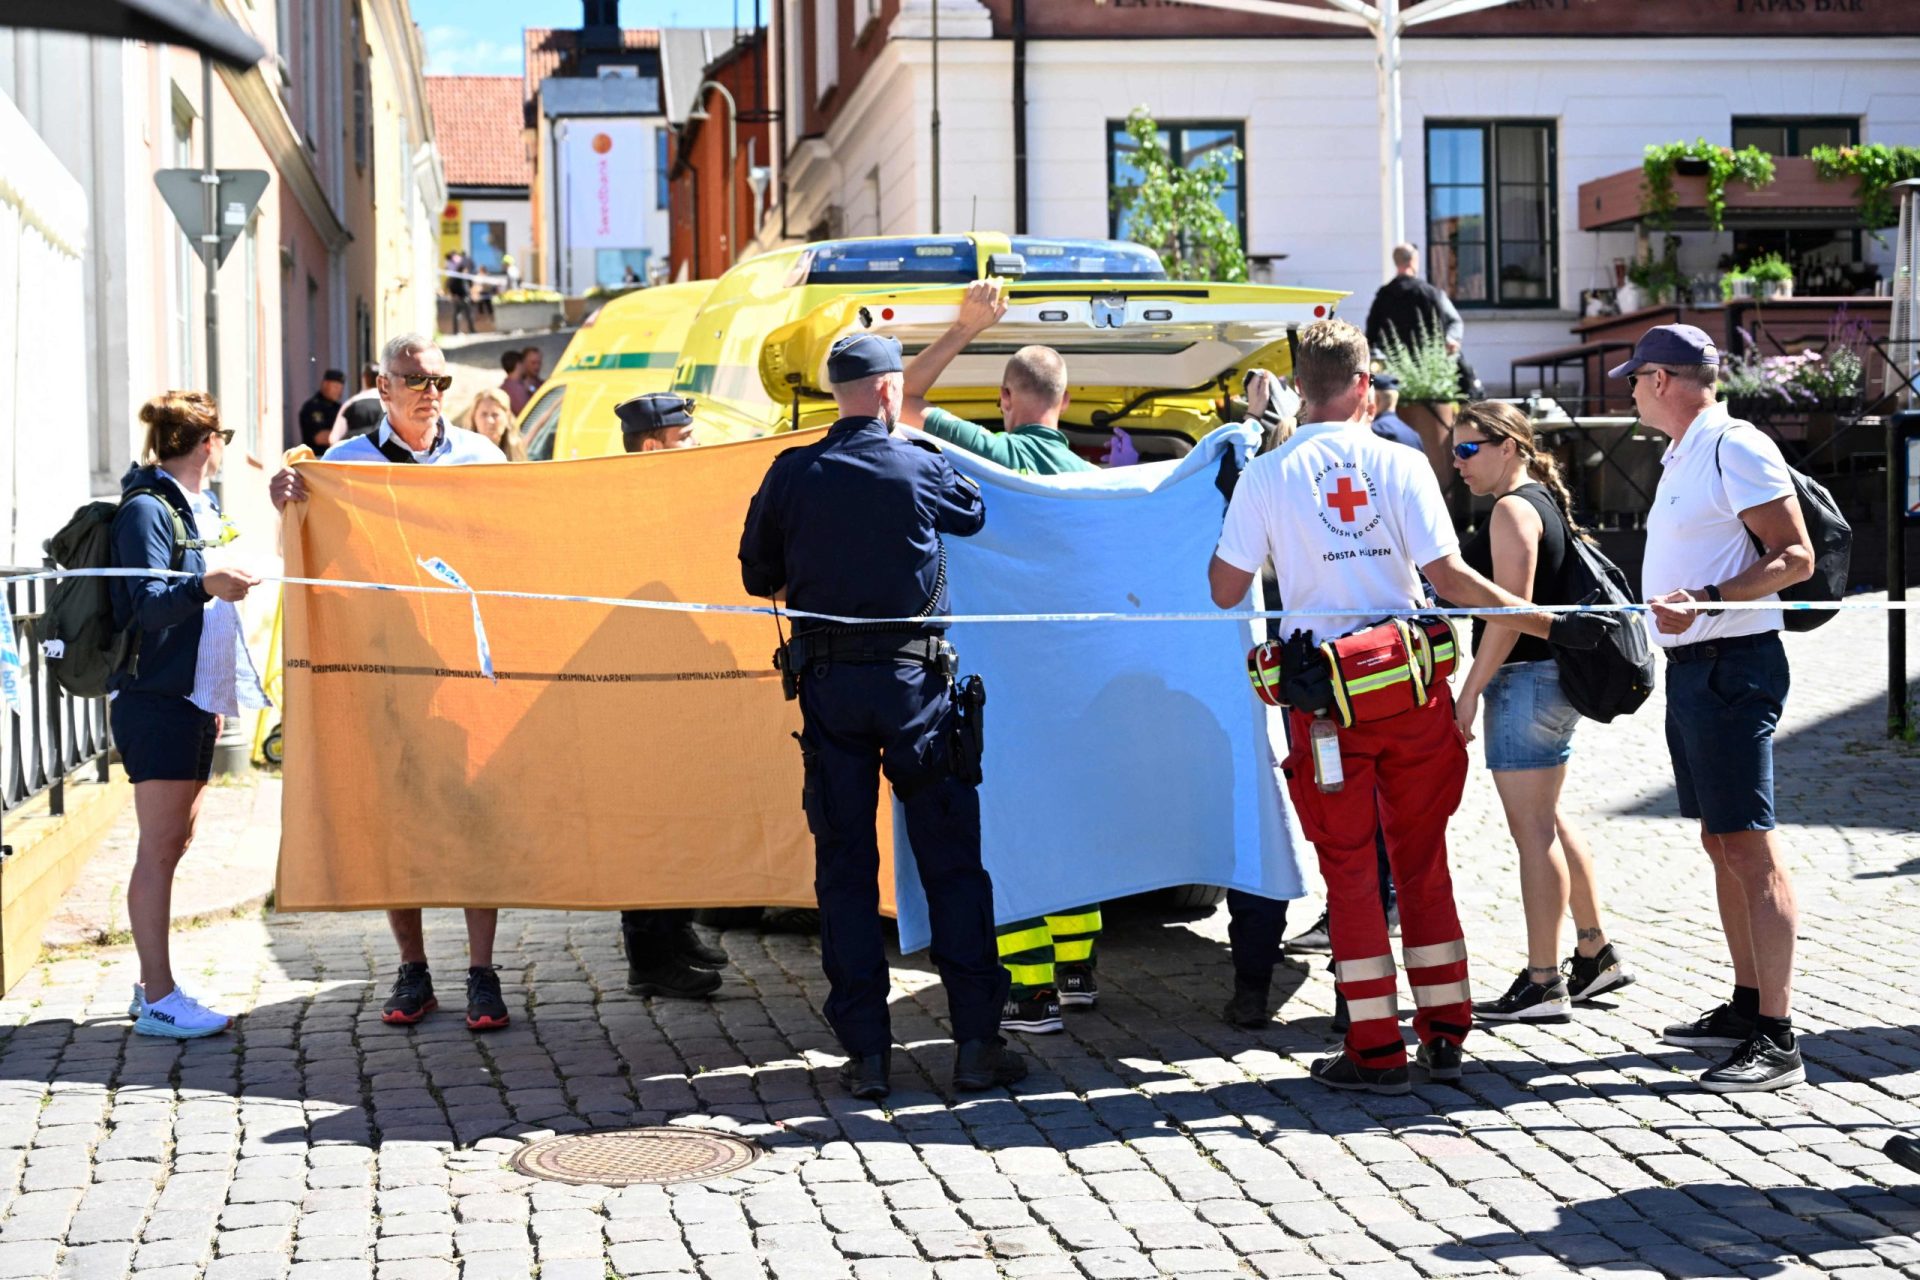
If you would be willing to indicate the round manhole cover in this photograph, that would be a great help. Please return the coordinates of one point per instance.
(626, 1157)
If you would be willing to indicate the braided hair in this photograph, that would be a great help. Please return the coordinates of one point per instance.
(1498, 420)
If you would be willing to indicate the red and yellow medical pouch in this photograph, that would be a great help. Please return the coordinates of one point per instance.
(1379, 671)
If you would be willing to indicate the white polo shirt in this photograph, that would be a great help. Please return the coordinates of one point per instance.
(1346, 517)
(1695, 537)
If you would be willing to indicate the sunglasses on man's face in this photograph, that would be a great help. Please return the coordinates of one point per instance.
(421, 381)
(1633, 379)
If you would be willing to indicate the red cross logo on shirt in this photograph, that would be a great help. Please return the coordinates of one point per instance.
(1346, 499)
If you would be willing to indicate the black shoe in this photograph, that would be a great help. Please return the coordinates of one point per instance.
(1904, 1151)
(1037, 1012)
(1589, 976)
(412, 997)
(486, 1010)
(686, 944)
(1342, 1072)
(670, 977)
(1718, 1028)
(1078, 989)
(1528, 1001)
(865, 1077)
(986, 1064)
(1248, 1008)
(1317, 936)
(1440, 1059)
(1758, 1066)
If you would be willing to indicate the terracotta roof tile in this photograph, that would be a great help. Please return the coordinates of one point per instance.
(550, 51)
(478, 122)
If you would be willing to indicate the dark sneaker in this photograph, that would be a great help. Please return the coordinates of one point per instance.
(1078, 988)
(1440, 1059)
(1037, 1012)
(486, 1011)
(866, 1077)
(687, 945)
(670, 977)
(1528, 1001)
(1904, 1151)
(1589, 976)
(1342, 1072)
(412, 997)
(1718, 1028)
(1317, 936)
(1248, 1008)
(1757, 1066)
(986, 1064)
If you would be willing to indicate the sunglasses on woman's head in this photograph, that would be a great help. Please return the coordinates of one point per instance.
(421, 381)
(1467, 449)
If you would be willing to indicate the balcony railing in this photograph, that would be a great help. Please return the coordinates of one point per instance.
(59, 734)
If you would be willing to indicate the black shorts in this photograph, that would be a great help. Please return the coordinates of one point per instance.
(162, 738)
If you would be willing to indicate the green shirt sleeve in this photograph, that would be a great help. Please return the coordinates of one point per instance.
(994, 446)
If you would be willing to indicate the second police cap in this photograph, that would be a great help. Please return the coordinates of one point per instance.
(1676, 344)
(654, 411)
(862, 355)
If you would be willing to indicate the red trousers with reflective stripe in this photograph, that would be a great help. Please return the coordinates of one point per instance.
(1404, 774)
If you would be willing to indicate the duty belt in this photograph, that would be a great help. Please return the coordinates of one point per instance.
(824, 648)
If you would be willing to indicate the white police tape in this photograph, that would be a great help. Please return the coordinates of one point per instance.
(445, 572)
(13, 678)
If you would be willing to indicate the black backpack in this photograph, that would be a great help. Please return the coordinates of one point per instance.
(83, 648)
(1617, 677)
(1828, 535)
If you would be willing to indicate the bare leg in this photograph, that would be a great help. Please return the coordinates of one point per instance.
(1584, 896)
(482, 922)
(1752, 860)
(1734, 922)
(1529, 797)
(167, 811)
(408, 935)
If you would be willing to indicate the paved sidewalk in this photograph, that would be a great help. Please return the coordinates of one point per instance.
(1152, 1139)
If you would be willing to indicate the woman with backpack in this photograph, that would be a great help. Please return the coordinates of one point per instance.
(186, 665)
(1524, 545)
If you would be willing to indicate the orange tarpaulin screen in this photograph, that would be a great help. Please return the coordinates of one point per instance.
(624, 758)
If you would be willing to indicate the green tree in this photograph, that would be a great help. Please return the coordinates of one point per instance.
(1175, 210)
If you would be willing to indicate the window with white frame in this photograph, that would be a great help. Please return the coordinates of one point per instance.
(826, 48)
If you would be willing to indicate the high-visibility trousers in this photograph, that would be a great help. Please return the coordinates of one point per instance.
(1405, 776)
(1031, 949)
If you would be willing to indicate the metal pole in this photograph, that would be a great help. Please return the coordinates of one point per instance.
(210, 232)
(1393, 178)
(936, 117)
(1898, 705)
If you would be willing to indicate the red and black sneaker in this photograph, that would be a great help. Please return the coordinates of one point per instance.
(486, 1010)
(412, 997)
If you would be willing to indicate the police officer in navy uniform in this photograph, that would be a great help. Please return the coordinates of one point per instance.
(850, 525)
(665, 957)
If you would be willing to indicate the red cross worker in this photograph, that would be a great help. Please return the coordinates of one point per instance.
(1349, 521)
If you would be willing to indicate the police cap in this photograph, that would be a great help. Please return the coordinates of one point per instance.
(654, 411)
(862, 355)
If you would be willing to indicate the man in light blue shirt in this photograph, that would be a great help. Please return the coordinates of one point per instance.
(413, 387)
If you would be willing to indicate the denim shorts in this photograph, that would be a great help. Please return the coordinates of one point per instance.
(1528, 722)
(1723, 704)
(161, 737)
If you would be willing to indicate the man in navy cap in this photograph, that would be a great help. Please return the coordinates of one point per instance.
(850, 525)
(665, 957)
(1387, 423)
(1723, 488)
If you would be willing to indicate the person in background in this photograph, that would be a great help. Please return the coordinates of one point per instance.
(1049, 960)
(318, 413)
(511, 270)
(414, 432)
(491, 415)
(1523, 546)
(1407, 308)
(460, 289)
(530, 368)
(362, 411)
(166, 711)
(516, 391)
(1388, 424)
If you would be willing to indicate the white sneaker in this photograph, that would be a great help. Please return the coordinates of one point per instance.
(137, 1003)
(179, 1017)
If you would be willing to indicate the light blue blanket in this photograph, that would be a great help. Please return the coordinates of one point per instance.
(1120, 756)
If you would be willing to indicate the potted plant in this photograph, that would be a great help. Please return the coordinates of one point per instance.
(524, 309)
(1657, 280)
(1717, 164)
(1429, 377)
(1735, 284)
(1772, 277)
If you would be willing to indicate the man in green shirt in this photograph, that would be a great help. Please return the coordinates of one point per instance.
(1050, 960)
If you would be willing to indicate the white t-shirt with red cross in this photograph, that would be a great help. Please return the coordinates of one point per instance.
(1347, 518)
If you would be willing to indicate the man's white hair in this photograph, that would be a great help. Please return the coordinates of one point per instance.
(403, 345)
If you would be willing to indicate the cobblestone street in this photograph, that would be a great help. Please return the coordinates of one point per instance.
(1151, 1139)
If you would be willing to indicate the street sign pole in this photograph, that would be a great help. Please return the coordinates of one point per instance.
(210, 225)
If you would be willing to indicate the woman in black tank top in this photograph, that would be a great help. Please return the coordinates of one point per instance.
(1524, 547)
